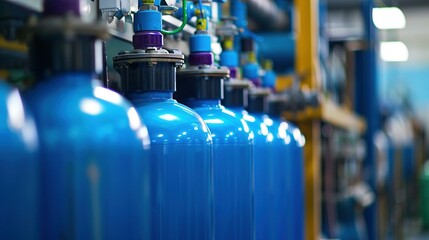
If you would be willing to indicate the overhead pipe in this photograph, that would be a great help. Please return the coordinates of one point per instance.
(267, 15)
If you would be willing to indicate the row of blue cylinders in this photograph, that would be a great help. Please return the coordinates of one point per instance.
(84, 167)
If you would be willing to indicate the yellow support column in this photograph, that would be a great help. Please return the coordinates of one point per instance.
(307, 67)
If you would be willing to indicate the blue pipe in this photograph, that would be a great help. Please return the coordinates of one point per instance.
(239, 10)
(366, 104)
(280, 48)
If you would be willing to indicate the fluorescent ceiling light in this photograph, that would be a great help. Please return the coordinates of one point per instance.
(388, 18)
(393, 51)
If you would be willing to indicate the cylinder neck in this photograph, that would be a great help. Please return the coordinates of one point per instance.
(275, 108)
(236, 109)
(52, 55)
(199, 87)
(140, 77)
(74, 79)
(235, 97)
(155, 95)
(193, 103)
(257, 104)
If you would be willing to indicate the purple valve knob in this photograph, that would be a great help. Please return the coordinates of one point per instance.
(146, 39)
(201, 58)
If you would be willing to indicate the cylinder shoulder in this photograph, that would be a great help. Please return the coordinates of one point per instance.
(225, 126)
(171, 122)
(297, 137)
(258, 127)
(88, 112)
(279, 130)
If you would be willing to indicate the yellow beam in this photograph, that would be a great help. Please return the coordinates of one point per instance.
(330, 112)
(284, 82)
(311, 131)
(307, 67)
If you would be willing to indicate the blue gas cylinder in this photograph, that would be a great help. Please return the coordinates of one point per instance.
(18, 168)
(279, 157)
(181, 204)
(288, 173)
(181, 164)
(201, 89)
(262, 152)
(94, 173)
(181, 194)
(297, 215)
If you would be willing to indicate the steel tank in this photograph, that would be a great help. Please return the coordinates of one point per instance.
(265, 144)
(290, 171)
(202, 90)
(200, 86)
(94, 148)
(19, 183)
(181, 189)
(181, 193)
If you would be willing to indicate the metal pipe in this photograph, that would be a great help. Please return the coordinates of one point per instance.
(267, 15)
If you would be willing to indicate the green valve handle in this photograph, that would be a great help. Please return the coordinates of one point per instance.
(184, 20)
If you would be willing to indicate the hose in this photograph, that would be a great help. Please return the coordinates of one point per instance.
(184, 21)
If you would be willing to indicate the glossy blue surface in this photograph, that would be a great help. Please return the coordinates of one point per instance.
(232, 168)
(18, 168)
(288, 180)
(297, 184)
(279, 177)
(263, 166)
(181, 167)
(94, 164)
